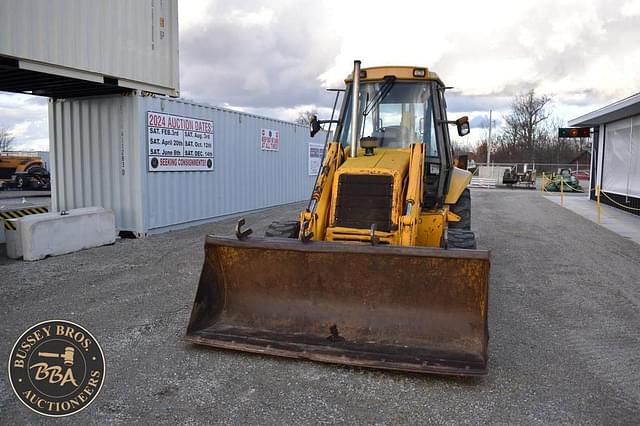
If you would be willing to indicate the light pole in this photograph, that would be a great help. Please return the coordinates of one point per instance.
(489, 141)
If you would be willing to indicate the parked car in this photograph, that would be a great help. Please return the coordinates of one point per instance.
(581, 175)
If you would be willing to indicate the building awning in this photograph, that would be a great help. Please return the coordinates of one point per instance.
(616, 111)
(14, 78)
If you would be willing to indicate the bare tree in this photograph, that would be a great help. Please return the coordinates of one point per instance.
(305, 116)
(523, 125)
(461, 147)
(512, 146)
(6, 140)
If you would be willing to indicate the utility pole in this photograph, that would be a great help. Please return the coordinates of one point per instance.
(489, 141)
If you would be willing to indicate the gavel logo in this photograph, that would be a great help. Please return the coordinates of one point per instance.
(56, 368)
(67, 355)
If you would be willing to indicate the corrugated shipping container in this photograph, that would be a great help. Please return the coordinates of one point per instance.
(135, 42)
(99, 157)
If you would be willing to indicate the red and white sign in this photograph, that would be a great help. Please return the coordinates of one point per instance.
(179, 143)
(269, 140)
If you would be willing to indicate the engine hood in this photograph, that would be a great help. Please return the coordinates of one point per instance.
(387, 161)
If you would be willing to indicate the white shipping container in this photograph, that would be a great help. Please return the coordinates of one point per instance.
(100, 157)
(134, 42)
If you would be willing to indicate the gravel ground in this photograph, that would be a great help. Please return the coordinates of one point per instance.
(564, 323)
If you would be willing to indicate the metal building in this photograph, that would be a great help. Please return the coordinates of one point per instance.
(615, 164)
(67, 48)
(147, 158)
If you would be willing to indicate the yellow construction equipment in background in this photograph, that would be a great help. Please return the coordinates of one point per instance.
(381, 269)
(23, 171)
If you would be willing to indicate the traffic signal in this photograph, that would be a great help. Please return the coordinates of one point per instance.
(574, 132)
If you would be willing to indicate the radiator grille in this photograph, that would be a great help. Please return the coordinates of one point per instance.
(364, 200)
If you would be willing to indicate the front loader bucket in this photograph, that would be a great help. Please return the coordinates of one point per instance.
(401, 308)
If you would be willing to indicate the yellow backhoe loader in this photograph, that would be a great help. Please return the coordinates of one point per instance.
(23, 171)
(381, 269)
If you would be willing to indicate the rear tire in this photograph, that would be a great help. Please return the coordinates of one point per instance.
(36, 170)
(461, 239)
(21, 182)
(463, 209)
(38, 178)
(286, 229)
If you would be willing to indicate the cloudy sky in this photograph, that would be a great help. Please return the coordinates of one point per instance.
(277, 57)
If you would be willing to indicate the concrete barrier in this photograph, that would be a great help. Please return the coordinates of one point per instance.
(52, 234)
(13, 240)
(14, 210)
(492, 172)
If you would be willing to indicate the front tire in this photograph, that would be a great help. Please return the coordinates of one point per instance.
(461, 239)
(20, 183)
(463, 209)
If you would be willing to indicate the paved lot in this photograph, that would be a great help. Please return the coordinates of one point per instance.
(4, 195)
(15, 200)
(564, 316)
(621, 222)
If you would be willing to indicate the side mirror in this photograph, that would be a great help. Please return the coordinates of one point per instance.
(463, 126)
(314, 125)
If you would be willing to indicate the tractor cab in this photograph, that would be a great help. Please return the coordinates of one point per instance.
(398, 107)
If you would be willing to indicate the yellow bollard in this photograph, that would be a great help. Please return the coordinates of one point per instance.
(598, 202)
(562, 191)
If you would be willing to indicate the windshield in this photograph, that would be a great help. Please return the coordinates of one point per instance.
(398, 114)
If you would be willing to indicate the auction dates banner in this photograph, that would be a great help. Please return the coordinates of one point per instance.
(178, 144)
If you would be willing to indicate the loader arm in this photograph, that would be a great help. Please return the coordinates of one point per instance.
(413, 202)
(313, 220)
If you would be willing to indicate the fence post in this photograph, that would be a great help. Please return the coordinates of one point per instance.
(542, 184)
(562, 190)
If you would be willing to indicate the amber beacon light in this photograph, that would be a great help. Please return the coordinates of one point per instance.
(574, 132)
